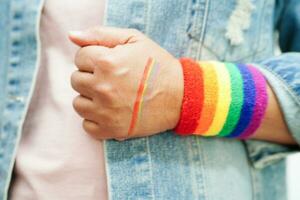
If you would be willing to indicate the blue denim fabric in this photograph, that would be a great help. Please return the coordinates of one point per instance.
(288, 24)
(18, 68)
(286, 69)
(165, 166)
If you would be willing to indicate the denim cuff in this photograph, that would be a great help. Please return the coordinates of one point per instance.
(283, 75)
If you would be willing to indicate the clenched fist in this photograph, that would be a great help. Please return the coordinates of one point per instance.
(111, 74)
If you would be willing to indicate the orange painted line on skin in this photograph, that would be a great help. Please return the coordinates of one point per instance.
(139, 97)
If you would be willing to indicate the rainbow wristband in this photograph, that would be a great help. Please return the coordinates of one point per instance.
(193, 97)
(221, 99)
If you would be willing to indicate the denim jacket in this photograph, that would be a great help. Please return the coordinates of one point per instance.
(167, 166)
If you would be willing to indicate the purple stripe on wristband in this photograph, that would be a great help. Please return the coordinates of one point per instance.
(261, 102)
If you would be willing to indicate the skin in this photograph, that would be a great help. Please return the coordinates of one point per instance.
(110, 64)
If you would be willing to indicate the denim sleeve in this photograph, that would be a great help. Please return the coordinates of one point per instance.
(287, 22)
(283, 75)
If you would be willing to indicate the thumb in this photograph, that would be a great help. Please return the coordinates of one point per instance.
(104, 36)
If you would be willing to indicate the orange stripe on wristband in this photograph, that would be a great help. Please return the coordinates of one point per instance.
(222, 107)
(210, 98)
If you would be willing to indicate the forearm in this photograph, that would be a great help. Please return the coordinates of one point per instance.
(273, 127)
(245, 106)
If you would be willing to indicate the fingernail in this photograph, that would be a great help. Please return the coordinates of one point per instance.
(76, 33)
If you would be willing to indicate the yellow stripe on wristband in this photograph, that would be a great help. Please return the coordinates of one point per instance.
(210, 97)
(224, 99)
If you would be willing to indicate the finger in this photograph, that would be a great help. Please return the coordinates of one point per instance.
(104, 36)
(93, 129)
(87, 58)
(84, 107)
(82, 82)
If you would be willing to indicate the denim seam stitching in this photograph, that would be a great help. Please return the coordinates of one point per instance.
(254, 180)
(191, 21)
(250, 169)
(147, 27)
(150, 166)
(146, 18)
(202, 168)
(202, 35)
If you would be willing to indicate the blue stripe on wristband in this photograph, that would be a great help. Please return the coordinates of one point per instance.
(249, 101)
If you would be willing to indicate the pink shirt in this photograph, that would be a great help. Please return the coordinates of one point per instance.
(56, 159)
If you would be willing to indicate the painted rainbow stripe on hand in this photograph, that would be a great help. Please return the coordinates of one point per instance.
(221, 99)
(150, 74)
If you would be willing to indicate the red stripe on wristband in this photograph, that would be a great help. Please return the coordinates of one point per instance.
(193, 97)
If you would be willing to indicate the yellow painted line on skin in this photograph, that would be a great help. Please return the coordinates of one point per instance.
(224, 99)
(146, 87)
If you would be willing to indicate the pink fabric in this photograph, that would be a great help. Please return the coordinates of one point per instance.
(56, 159)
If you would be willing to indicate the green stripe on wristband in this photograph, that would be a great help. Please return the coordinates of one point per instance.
(237, 99)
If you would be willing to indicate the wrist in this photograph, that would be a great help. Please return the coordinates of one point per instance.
(174, 93)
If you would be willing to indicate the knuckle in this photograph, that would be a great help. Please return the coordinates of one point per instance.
(74, 76)
(80, 54)
(77, 103)
(85, 56)
(81, 83)
(87, 127)
(74, 86)
(92, 130)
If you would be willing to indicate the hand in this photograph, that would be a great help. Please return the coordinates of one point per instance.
(111, 63)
